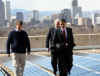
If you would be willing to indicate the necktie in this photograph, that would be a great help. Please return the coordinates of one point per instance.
(64, 35)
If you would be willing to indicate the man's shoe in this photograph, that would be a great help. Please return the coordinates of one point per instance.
(54, 73)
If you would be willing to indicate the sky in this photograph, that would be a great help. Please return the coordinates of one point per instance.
(87, 5)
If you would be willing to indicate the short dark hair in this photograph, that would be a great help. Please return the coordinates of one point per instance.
(19, 22)
(63, 20)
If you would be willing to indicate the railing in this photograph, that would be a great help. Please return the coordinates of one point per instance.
(3, 72)
(83, 41)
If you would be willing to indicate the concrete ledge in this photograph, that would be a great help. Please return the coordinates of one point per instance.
(75, 48)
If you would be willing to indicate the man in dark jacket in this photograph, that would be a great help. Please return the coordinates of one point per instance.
(50, 45)
(17, 43)
(66, 44)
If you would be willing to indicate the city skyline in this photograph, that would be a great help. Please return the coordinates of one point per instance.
(87, 5)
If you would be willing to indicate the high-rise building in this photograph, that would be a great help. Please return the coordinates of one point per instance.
(7, 11)
(80, 11)
(36, 15)
(66, 14)
(35, 18)
(2, 14)
(75, 3)
(20, 16)
(76, 10)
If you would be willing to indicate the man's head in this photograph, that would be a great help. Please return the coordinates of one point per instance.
(57, 23)
(63, 23)
(19, 25)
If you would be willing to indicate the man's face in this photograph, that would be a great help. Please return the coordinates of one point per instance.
(63, 24)
(57, 25)
(18, 26)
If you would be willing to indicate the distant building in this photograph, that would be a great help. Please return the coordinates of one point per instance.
(8, 11)
(81, 21)
(76, 10)
(13, 20)
(80, 11)
(75, 21)
(13, 23)
(20, 16)
(36, 15)
(66, 14)
(88, 21)
(2, 14)
(47, 21)
(54, 16)
(97, 19)
(35, 18)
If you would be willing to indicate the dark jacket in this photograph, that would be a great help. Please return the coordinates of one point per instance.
(69, 40)
(66, 53)
(50, 37)
(18, 42)
(54, 36)
(59, 38)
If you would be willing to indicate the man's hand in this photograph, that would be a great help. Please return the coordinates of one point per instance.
(8, 55)
(48, 49)
(28, 53)
(66, 44)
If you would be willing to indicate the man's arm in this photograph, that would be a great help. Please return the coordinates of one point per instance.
(28, 44)
(9, 43)
(72, 43)
(48, 39)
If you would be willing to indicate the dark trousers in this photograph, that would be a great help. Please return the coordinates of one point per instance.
(63, 61)
(54, 60)
(62, 66)
(65, 65)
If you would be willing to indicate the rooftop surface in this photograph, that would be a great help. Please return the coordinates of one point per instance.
(40, 65)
